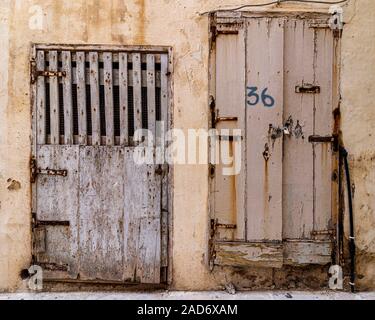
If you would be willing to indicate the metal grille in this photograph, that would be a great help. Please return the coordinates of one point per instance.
(98, 97)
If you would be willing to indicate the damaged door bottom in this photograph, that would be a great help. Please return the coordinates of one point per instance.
(272, 254)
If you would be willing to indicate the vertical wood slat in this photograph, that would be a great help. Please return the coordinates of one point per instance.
(81, 99)
(164, 89)
(265, 43)
(151, 107)
(323, 126)
(67, 97)
(94, 91)
(164, 106)
(124, 109)
(41, 101)
(298, 190)
(137, 91)
(54, 98)
(229, 191)
(108, 98)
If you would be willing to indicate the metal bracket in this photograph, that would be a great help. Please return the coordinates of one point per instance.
(43, 73)
(334, 139)
(307, 88)
(322, 139)
(34, 171)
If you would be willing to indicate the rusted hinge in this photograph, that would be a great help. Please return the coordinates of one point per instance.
(307, 88)
(34, 171)
(35, 73)
(215, 224)
(334, 139)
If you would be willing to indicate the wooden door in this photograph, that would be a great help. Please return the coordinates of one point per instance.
(273, 80)
(97, 214)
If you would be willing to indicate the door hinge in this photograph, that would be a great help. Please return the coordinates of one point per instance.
(325, 139)
(34, 171)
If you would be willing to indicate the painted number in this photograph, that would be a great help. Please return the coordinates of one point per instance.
(253, 97)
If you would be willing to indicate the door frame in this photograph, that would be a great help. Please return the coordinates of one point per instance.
(230, 22)
(168, 224)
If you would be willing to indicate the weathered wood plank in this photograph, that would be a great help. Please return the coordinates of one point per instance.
(124, 109)
(108, 98)
(265, 43)
(101, 220)
(137, 91)
(164, 89)
(142, 222)
(242, 254)
(148, 267)
(299, 253)
(298, 168)
(151, 94)
(41, 100)
(67, 94)
(81, 98)
(94, 91)
(54, 99)
(134, 201)
(57, 200)
(229, 190)
(323, 126)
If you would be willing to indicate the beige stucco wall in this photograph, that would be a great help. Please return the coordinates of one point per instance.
(174, 23)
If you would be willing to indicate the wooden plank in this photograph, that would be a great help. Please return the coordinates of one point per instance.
(229, 190)
(149, 258)
(67, 94)
(151, 106)
(94, 91)
(108, 98)
(300, 253)
(54, 99)
(112, 48)
(133, 206)
(57, 200)
(81, 98)
(164, 89)
(298, 169)
(265, 43)
(244, 254)
(101, 194)
(141, 222)
(323, 121)
(123, 84)
(41, 101)
(137, 91)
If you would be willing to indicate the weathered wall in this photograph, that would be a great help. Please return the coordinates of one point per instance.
(174, 23)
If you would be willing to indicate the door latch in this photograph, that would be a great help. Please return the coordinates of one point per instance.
(307, 88)
(325, 139)
(34, 171)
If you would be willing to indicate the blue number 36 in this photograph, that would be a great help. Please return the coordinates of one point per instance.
(253, 97)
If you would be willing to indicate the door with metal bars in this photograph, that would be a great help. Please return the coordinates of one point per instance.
(276, 80)
(97, 214)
